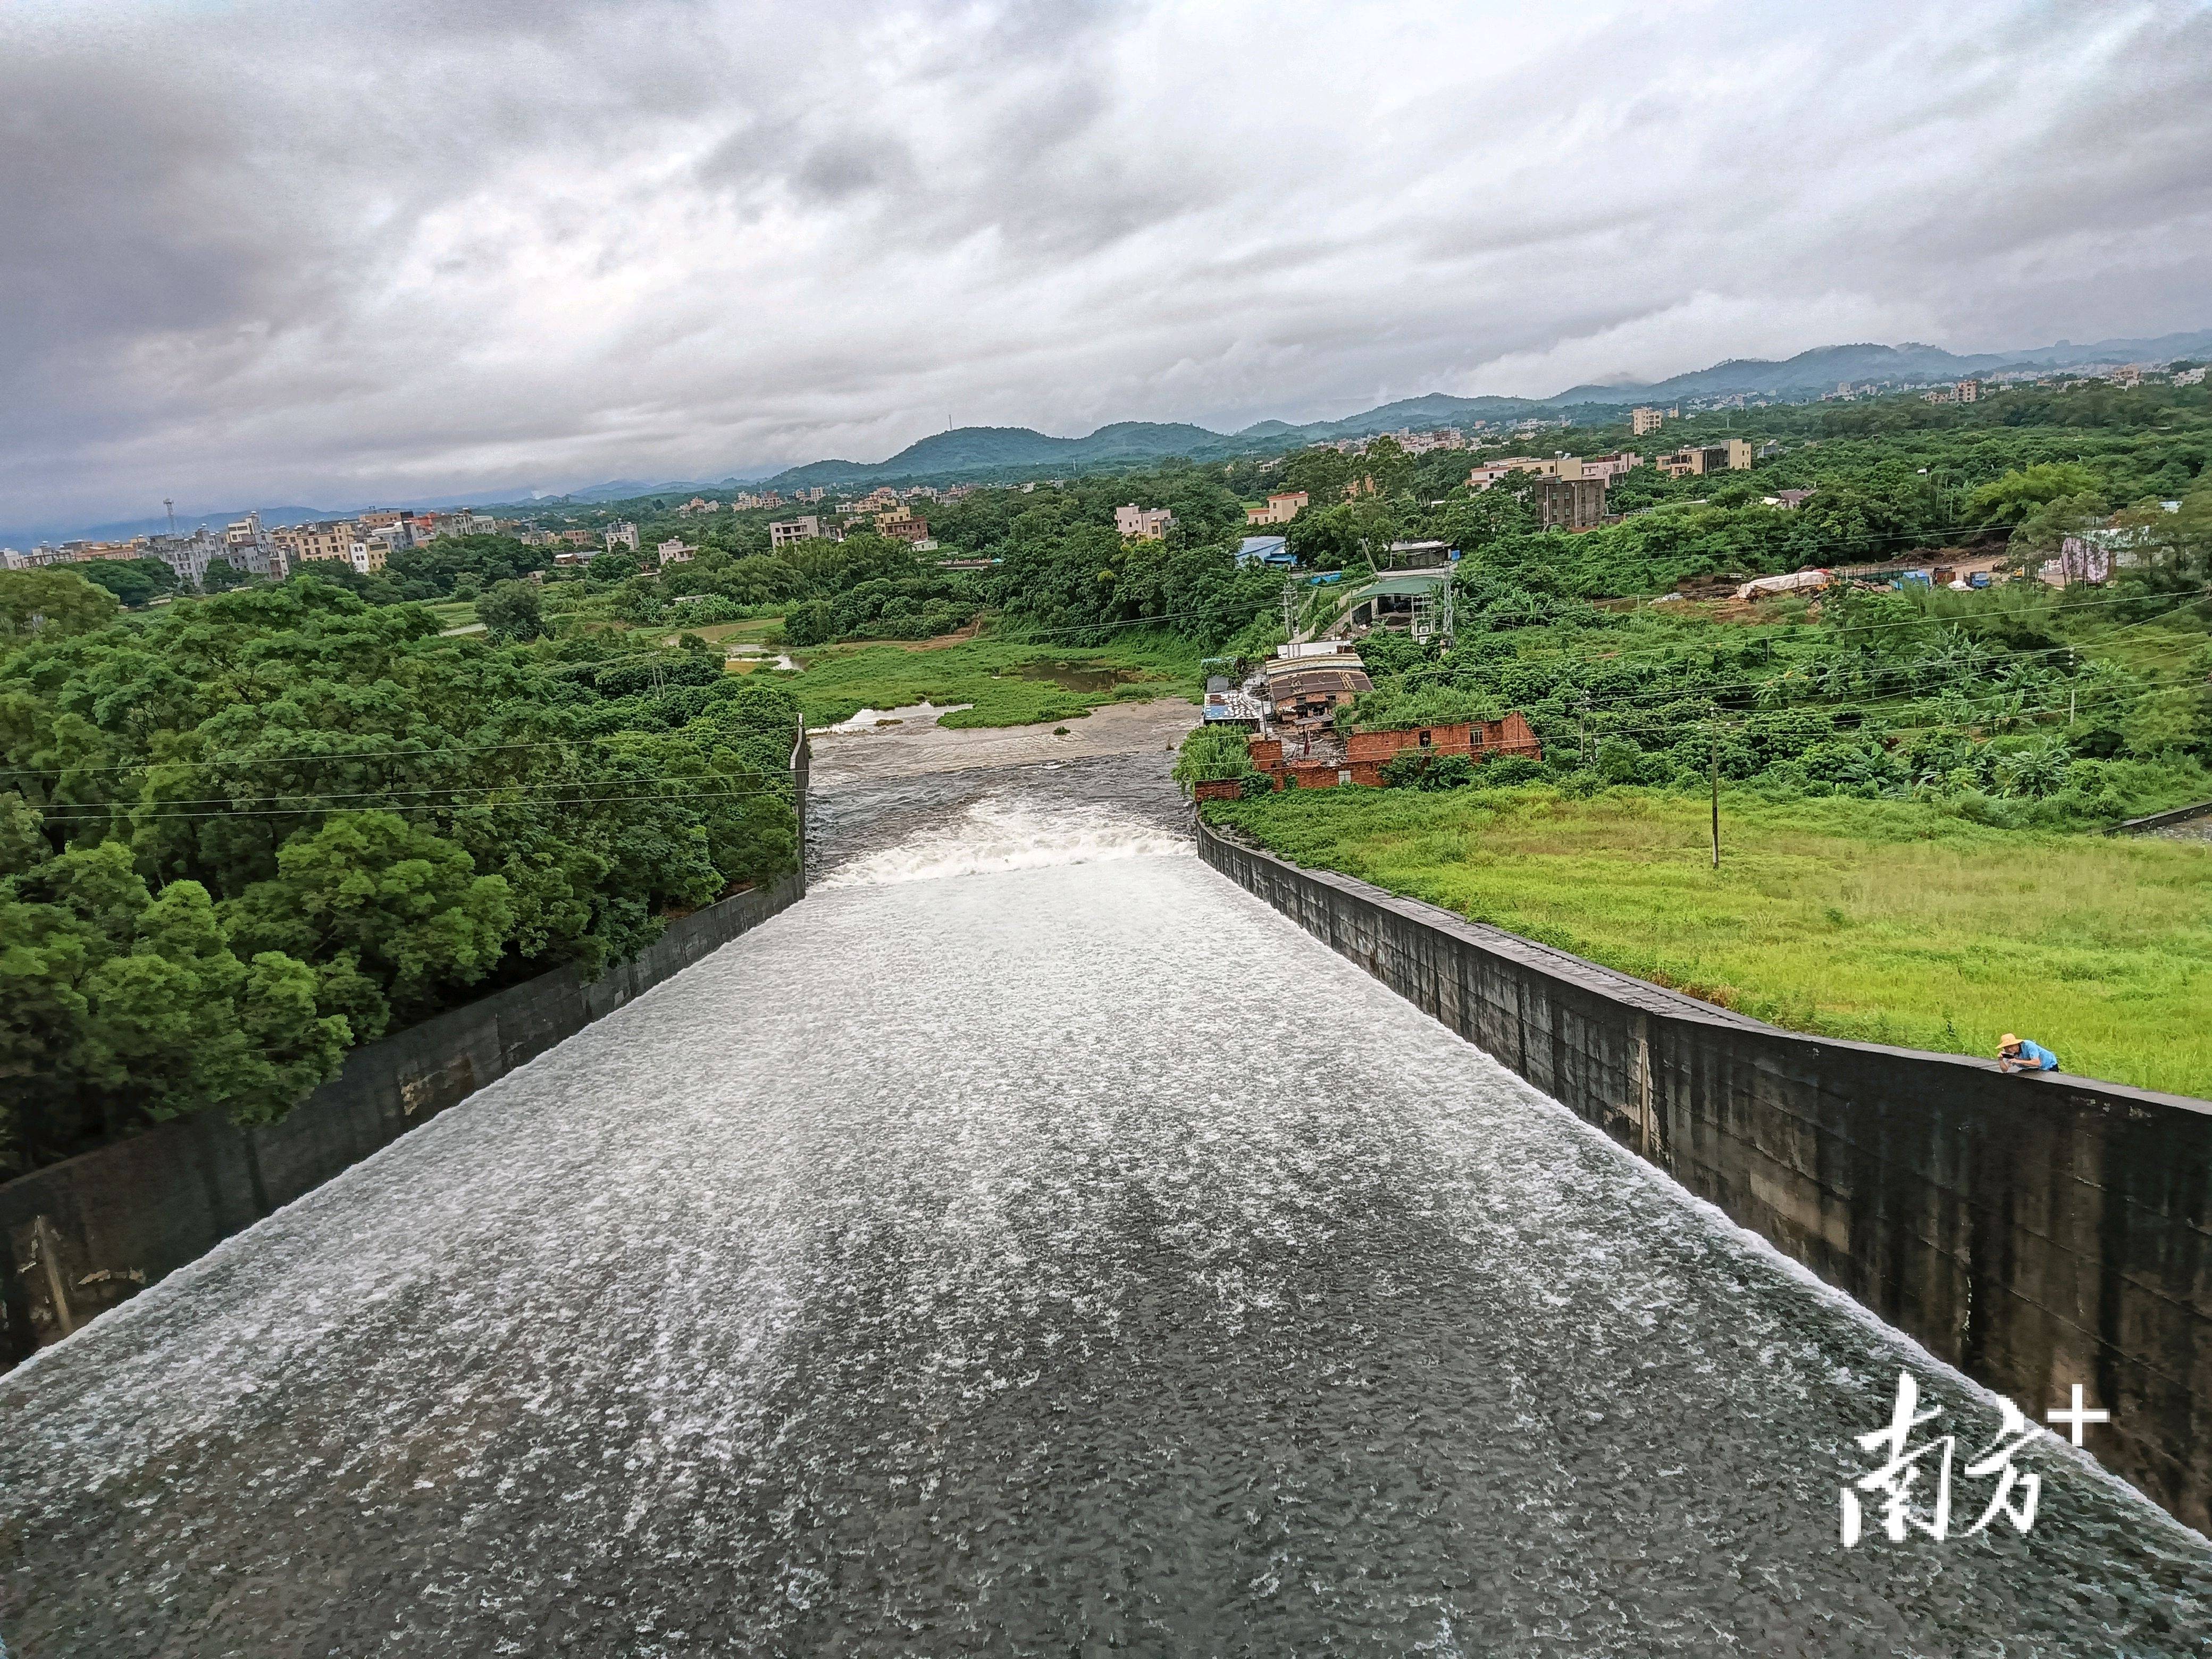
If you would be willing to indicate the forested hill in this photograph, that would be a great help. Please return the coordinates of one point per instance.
(983, 448)
(1811, 373)
(985, 451)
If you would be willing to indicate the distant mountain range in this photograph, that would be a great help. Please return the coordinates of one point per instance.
(975, 453)
(1809, 373)
(972, 450)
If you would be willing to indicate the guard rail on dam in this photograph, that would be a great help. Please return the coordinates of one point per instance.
(92, 1230)
(2035, 1232)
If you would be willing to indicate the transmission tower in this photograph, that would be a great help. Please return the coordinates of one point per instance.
(171, 507)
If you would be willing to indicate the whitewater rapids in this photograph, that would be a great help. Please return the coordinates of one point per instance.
(1028, 1243)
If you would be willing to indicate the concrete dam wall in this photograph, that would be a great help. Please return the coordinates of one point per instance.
(2036, 1231)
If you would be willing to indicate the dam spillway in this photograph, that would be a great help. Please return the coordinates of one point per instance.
(1029, 1242)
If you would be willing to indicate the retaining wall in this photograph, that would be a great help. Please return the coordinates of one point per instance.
(85, 1234)
(2189, 814)
(2035, 1230)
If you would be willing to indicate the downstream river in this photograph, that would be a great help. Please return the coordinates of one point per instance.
(1031, 1243)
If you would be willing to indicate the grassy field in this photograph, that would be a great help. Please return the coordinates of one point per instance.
(995, 675)
(1886, 921)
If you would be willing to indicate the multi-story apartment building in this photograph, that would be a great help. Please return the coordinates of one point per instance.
(1643, 419)
(190, 555)
(312, 543)
(620, 537)
(1570, 503)
(248, 548)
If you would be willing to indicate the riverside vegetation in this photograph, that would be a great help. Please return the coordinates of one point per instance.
(243, 833)
(1879, 920)
(242, 830)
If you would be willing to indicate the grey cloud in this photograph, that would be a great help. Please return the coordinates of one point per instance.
(355, 248)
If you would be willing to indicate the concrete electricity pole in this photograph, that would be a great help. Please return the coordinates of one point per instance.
(1716, 797)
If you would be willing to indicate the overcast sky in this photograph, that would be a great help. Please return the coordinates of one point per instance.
(321, 253)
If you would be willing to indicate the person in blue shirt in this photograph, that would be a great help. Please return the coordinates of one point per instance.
(2015, 1055)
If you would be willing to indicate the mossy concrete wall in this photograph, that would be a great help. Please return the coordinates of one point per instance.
(2036, 1231)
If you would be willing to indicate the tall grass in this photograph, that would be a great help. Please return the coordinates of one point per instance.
(1886, 921)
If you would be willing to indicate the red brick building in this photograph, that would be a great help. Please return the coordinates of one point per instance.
(1366, 753)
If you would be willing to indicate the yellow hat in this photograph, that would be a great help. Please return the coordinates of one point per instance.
(2009, 1041)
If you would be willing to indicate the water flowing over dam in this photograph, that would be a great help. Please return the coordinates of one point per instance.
(1028, 1243)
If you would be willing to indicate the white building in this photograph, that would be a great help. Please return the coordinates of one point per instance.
(810, 528)
(673, 551)
(621, 535)
(190, 555)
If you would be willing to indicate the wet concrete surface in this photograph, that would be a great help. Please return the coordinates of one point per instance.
(1028, 1243)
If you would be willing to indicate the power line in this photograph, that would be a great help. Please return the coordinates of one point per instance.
(443, 753)
(67, 814)
(432, 789)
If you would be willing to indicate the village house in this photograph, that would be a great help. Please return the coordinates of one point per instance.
(1282, 507)
(1142, 524)
(1733, 455)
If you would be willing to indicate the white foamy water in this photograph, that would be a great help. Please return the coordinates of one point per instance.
(923, 712)
(1062, 1259)
(1002, 834)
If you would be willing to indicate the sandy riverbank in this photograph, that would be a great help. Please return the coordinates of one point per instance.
(915, 747)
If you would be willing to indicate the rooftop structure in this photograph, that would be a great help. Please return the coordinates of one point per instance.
(1265, 549)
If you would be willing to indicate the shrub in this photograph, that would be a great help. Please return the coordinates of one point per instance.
(1213, 754)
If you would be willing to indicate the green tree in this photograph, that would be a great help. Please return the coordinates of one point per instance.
(510, 610)
(180, 1020)
(402, 904)
(134, 582)
(53, 603)
(2014, 497)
